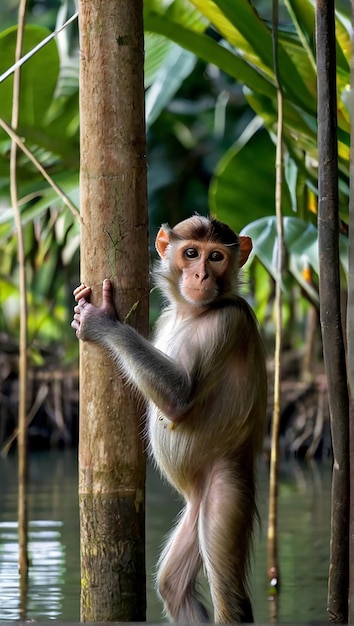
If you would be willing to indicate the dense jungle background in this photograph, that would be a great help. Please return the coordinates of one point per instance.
(210, 115)
(211, 121)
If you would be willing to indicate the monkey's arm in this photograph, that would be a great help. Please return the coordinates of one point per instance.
(157, 376)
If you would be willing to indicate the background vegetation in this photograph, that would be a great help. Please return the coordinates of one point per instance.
(211, 115)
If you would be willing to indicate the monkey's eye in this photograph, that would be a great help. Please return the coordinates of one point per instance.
(215, 256)
(191, 253)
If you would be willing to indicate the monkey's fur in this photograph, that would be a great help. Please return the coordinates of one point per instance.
(205, 380)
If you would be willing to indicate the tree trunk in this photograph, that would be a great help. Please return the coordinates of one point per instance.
(350, 341)
(330, 311)
(115, 246)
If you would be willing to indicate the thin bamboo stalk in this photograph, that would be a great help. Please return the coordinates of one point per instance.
(22, 425)
(273, 564)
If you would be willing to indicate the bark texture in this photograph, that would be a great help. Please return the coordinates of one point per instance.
(350, 340)
(115, 246)
(330, 310)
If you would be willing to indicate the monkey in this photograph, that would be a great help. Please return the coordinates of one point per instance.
(204, 379)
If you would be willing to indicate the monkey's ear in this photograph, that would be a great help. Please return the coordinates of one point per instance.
(245, 249)
(162, 241)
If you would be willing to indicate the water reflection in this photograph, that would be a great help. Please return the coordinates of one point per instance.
(54, 577)
(47, 557)
(52, 542)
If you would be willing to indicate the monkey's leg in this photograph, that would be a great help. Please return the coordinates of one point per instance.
(225, 531)
(179, 564)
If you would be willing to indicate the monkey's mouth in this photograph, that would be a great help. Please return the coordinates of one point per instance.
(200, 295)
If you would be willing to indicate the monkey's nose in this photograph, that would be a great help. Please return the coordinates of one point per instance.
(202, 276)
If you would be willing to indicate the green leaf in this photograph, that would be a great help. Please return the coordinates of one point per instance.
(245, 18)
(177, 11)
(343, 33)
(251, 38)
(212, 52)
(297, 234)
(177, 65)
(301, 241)
(303, 16)
(39, 75)
(230, 33)
(302, 126)
(243, 185)
(156, 49)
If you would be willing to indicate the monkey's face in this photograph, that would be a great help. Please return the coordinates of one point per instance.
(203, 269)
(200, 259)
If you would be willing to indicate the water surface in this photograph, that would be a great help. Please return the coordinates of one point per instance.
(54, 579)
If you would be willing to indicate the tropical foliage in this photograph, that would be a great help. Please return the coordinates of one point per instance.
(49, 124)
(236, 38)
(211, 113)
